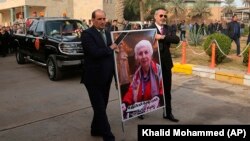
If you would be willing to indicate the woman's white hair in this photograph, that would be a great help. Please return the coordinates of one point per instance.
(143, 43)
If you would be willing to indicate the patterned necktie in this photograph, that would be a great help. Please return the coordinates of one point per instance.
(162, 30)
(104, 36)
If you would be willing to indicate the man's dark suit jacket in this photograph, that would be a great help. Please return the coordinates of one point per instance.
(113, 28)
(230, 29)
(98, 58)
(164, 45)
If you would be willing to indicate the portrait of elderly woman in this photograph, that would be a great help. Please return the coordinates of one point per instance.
(145, 92)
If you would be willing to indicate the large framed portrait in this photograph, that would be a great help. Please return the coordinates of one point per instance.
(138, 72)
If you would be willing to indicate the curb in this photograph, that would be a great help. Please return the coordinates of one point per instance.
(228, 76)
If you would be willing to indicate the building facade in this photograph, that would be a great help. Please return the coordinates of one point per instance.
(78, 9)
(243, 13)
(214, 5)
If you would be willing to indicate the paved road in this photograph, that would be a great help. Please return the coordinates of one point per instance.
(33, 108)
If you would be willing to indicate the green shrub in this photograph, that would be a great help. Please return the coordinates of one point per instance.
(224, 43)
(246, 31)
(195, 38)
(245, 56)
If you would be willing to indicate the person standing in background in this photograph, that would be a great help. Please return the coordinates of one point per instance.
(234, 32)
(5, 41)
(108, 25)
(114, 26)
(20, 22)
(30, 20)
(85, 25)
(183, 30)
(98, 71)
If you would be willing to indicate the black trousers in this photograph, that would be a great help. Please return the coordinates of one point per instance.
(237, 42)
(99, 96)
(167, 82)
(183, 35)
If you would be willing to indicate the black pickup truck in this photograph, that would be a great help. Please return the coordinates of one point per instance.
(51, 42)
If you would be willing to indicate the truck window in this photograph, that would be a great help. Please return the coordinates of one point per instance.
(53, 27)
(62, 27)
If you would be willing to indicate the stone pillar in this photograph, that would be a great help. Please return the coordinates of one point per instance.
(12, 15)
(26, 11)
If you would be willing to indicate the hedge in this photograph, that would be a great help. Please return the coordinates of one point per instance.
(224, 43)
(245, 56)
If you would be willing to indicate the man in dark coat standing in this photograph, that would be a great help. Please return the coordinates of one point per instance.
(114, 26)
(234, 32)
(165, 37)
(98, 72)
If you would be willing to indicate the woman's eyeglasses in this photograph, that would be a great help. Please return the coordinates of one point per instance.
(165, 16)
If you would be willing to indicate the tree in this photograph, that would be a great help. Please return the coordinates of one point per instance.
(246, 3)
(229, 8)
(141, 3)
(177, 7)
(200, 10)
(141, 8)
(131, 11)
(119, 10)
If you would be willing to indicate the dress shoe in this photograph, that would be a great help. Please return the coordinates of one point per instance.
(141, 117)
(109, 137)
(96, 134)
(171, 118)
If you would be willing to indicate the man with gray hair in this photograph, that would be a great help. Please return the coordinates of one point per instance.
(165, 38)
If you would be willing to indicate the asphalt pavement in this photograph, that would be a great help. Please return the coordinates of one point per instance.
(33, 108)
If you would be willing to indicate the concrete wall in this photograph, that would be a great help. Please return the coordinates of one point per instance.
(79, 9)
(5, 18)
(11, 3)
(216, 13)
(109, 8)
(50, 8)
(56, 8)
(83, 9)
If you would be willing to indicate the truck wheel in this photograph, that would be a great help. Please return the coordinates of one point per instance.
(52, 69)
(20, 57)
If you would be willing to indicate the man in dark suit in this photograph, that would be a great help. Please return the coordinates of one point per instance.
(165, 37)
(114, 26)
(98, 72)
(234, 32)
